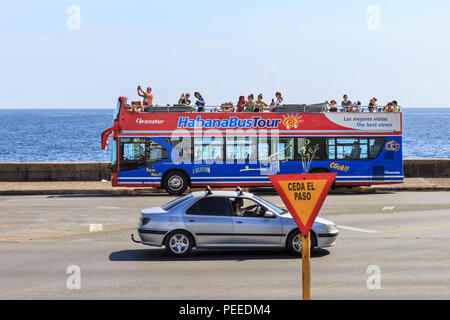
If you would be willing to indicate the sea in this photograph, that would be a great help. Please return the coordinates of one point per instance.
(40, 135)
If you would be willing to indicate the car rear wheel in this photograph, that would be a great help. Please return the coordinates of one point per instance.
(179, 243)
(294, 242)
(175, 182)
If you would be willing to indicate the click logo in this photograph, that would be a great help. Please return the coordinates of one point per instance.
(393, 146)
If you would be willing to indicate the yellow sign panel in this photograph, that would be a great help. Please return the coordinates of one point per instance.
(303, 195)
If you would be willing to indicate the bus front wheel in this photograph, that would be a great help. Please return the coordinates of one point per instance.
(175, 182)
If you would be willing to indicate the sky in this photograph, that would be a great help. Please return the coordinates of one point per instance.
(311, 51)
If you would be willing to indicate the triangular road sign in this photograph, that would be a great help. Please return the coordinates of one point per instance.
(303, 195)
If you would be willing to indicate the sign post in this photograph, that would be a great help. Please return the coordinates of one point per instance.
(303, 195)
(306, 270)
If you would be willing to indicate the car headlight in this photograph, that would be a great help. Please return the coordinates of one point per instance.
(331, 228)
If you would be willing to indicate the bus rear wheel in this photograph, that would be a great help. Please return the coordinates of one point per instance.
(175, 182)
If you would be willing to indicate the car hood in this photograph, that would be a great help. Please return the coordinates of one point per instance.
(287, 215)
(153, 210)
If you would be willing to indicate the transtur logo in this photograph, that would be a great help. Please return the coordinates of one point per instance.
(141, 121)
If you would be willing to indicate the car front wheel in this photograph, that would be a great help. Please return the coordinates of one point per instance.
(179, 244)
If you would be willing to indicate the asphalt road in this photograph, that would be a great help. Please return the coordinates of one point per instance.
(406, 236)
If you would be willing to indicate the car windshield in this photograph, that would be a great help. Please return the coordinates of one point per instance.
(270, 205)
(175, 202)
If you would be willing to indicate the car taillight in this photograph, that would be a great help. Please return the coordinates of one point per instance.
(144, 221)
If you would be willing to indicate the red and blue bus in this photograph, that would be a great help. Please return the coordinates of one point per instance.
(176, 148)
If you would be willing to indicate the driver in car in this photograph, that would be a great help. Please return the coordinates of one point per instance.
(248, 211)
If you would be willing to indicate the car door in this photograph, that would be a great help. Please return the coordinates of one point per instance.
(251, 228)
(210, 220)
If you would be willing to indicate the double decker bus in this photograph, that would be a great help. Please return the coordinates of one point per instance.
(176, 148)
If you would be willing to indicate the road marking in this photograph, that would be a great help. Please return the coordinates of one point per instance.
(108, 207)
(356, 229)
(388, 208)
(65, 234)
(414, 229)
(95, 227)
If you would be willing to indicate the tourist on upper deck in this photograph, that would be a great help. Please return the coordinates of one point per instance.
(373, 105)
(396, 107)
(356, 107)
(184, 99)
(260, 105)
(272, 104)
(388, 107)
(346, 104)
(250, 105)
(148, 96)
(200, 103)
(332, 106)
(227, 107)
(136, 106)
(240, 106)
(279, 99)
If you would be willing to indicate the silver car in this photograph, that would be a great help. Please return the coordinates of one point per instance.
(227, 219)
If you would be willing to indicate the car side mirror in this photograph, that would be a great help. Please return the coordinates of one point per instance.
(269, 214)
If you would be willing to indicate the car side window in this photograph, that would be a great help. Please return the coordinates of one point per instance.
(244, 207)
(211, 206)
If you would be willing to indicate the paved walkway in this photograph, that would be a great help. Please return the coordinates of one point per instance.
(93, 187)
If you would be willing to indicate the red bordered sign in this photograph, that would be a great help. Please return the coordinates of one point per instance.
(303, 195)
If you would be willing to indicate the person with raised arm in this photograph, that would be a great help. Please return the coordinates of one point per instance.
(332, 106)
(184, 99)
(148, 96)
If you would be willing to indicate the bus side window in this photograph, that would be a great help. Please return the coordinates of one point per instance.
(284, 147)
(331, 149)
(352, 149)
(182, 149)
(312, 149)
(241, 149)
(375, 146)
(208, 149)
(156, 153)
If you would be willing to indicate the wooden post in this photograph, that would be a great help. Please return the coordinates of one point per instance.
(306, 271)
